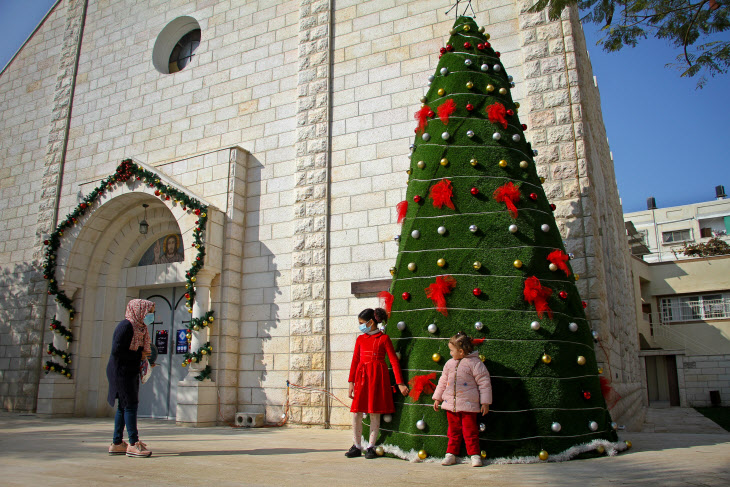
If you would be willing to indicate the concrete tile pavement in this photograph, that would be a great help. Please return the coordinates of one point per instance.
(40, 451)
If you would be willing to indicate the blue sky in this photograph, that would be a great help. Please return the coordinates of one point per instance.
(668, 139)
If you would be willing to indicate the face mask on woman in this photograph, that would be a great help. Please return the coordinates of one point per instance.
(365, 327)
(149, 318)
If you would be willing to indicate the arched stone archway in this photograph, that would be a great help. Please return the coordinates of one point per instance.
(97, 268)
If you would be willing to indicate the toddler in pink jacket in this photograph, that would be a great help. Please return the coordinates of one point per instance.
(464, 390)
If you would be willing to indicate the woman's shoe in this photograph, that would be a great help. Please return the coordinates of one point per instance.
(353, 452)
(139, 449)
(449, 459)
(119, 449)
(476, 461)
(370, 453)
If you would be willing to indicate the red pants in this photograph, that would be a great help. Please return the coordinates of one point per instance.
(463, 424)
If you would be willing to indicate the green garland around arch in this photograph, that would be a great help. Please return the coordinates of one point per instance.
(126, 172)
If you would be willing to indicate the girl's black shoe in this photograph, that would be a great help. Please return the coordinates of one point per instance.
(353, 452)
(370, 453)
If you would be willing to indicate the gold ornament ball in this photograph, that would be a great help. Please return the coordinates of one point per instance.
(196, 327)
(193, 279)
(409, 171)
(482, 357)
(421, 164)
(517, 105)
(444, 162)
(392, 271)
(452, 31)
(436, 357)
(441, 92)
(190, 310)
(473, 162)
(503, 91)
(517, 263)
(487, 36)
(204, 352)
(411, 266)
(502, 163)
(581, 360)
(546, 359)
(441, 262)
(467, 28)
(576, 276)
(543, 455)
(553, 267)
(184, 364)
(423, 99)
(477, 265)
(490, 88)
(524, 164)
(469, 85)
(601, 449)
(423, 105)
(600, 370)
(483, 454)
(628, 444)
(422, 454)
(211, 319)
(542, 180)
(379, 450)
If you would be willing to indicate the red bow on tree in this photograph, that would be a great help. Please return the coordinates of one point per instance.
(477, 341)
(445, 110)
(536, 294)
(496, 113)
(559, 258)
(437, 292)
(386, 301)
(441, 194)
(401, 208)
(508, 194)
(421, 384)
(422, 117)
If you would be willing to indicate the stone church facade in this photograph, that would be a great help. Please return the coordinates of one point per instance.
(292, 121)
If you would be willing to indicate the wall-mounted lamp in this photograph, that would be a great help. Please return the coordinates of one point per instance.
(143, 225)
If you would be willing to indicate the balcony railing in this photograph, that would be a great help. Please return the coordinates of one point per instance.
(700, 310)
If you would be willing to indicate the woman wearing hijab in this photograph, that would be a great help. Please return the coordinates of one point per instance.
(130, 345)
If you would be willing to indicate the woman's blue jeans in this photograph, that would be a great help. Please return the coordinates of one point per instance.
(126, 416)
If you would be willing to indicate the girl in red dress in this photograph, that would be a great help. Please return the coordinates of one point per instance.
(370, 388)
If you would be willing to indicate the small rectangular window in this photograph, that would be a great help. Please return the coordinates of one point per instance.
(675, 236)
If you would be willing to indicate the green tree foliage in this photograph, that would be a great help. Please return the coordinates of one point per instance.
(693, 27)
(714, 246)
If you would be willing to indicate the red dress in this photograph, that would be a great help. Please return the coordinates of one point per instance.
(369, 372)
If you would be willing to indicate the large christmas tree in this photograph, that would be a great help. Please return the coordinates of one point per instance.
(480, 252)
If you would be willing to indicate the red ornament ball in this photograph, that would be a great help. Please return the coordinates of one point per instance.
(487, 44)
(480, 47)
(157, 192)
(563, 295)
(533, 196)
(46, 242)
(442, 50)
(167, 197)
(406, 296)
(469, 107)
(552, 206)
(467, 45)
(586, 395)
(449, 47)
(497, 53)
(197, 212)
(475, 191)
(510, 112)
(417, 199)
(431, 114)
(477, 291)
(187, 296)
(524, 126)
(585, 305)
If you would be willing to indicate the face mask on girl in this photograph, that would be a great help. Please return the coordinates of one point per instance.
(365, 327)
(149, 318)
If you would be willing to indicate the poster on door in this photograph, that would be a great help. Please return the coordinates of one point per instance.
(161, 342)
(181, 342)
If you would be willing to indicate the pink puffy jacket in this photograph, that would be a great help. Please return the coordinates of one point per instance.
(464, 385)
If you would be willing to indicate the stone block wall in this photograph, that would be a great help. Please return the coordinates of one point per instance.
(705, 373)
(27, 89)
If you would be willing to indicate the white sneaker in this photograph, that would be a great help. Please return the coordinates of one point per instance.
(449, 459)
(476, 461)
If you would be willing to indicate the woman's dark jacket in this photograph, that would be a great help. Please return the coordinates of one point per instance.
(122, 371)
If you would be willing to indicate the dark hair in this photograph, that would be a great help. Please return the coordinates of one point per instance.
(378, 315)
(462, 342)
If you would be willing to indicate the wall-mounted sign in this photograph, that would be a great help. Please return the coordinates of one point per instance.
(181, 342)
(161, 340)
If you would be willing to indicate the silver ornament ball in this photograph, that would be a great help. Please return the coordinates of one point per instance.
(397, 238)
(614, 426)
(535, 325)
(426, 137)
(430, 78)
(497, 136)
(497, 68)
(485, 67)
(467, 62)
(473, 228)
(470, 133)
(556, 427)
(545, 227)
(516, 137)
(441, 230)
(573, 327)
(387, 418)
(421, 424)
(445, 136)
(482, 427)
(513, 228)
(593, 426)
(432, 328)
(478, 325)
(595, 334)
(401, 325)
(444, 71)
(416, 234)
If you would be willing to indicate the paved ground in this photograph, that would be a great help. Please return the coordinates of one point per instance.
(35, 451)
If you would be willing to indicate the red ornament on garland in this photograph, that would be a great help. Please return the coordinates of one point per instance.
(46, 242)
(586, 395)
(524, 127)
(157, 192)
(441, 194)
(474, 191)
(510, 112)
(585, 305)
(442, 50)
(477, 291)
(497, 53)
(480, 47)
(449, 47)
(406, 296)
(469, 107)
(533, 196)
(197, 212)
(563, 295)
(552, 206)
(467, 45)
(417, 199)
(487, 44)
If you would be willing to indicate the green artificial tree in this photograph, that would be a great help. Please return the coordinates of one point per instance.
(480, 252)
